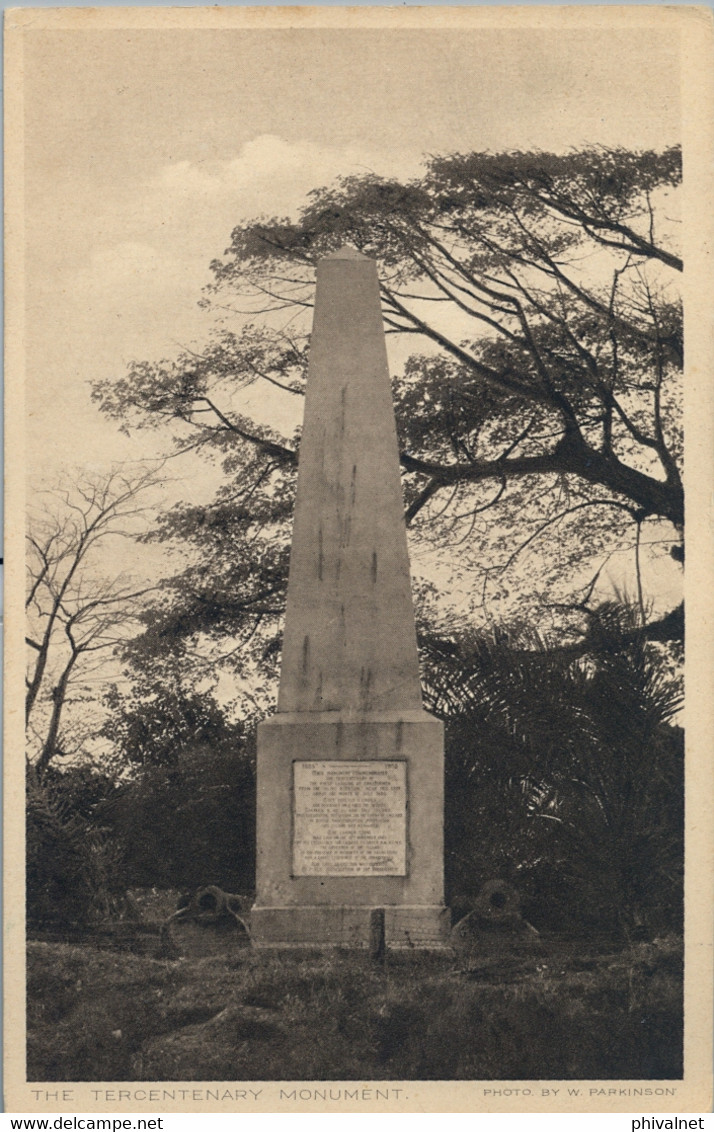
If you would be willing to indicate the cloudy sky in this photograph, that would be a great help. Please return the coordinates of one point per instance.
(144, 147)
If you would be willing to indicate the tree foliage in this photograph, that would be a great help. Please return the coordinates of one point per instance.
(538, 414)
(564, 771)
(155, 724)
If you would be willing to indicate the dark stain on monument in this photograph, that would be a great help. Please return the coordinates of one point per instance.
(365, 684)
(343, 405)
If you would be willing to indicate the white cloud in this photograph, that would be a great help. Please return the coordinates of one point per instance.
(157, 237)
(152, 245)
(147, 259)
(268, 175)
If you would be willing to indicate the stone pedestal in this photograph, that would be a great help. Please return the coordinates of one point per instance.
(319, 908)
(350, 769)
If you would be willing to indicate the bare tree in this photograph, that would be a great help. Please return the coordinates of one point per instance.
(75, 615)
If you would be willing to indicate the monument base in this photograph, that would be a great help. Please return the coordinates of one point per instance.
(350, 819)
(405, 926)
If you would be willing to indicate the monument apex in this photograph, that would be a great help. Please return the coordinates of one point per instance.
(346, 252)
(349, 642)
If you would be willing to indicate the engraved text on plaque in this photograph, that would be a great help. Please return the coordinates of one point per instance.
(350, 818)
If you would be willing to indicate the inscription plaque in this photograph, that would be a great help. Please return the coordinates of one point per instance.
(349, 818)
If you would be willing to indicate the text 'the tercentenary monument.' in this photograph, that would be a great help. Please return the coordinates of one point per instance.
(350, 768)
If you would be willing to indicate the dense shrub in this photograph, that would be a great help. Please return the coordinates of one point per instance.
(188, 825)
(564, 775)
(70, 861)
(90, 838)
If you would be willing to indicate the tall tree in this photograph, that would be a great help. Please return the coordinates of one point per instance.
(75, 614)
(540, 416)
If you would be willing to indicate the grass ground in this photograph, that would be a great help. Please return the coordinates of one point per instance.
(565, 1012)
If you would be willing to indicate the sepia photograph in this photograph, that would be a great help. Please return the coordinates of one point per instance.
(352, 356)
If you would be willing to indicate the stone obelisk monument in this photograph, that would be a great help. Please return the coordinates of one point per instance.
(350, 768)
